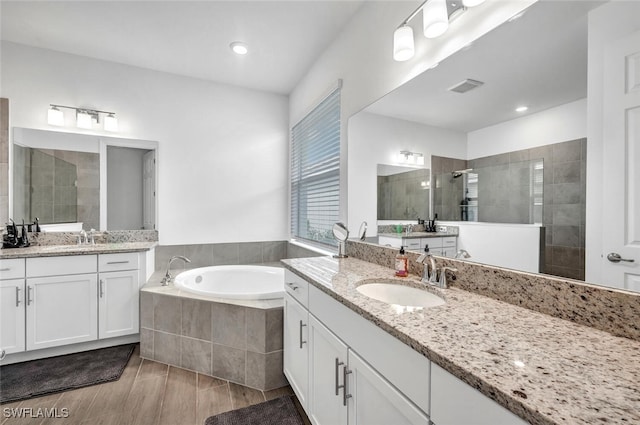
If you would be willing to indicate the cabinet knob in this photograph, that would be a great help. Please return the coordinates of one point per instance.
(3, 354)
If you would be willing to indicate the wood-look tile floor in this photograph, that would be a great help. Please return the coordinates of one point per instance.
(146, 393)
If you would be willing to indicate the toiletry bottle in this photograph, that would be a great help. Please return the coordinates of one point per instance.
(402, 269)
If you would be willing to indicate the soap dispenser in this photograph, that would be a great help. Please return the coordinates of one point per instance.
(402, 269)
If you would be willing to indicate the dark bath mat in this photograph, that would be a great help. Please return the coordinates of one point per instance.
(279, 411)
(20, 381)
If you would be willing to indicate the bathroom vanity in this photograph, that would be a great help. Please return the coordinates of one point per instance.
(472, 360)
(61, 299)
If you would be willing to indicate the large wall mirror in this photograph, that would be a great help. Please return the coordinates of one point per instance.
(462, 116)
(73, 181)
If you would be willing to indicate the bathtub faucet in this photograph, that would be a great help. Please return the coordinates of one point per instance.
(167, 279)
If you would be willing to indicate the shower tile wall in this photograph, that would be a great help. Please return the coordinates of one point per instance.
(564, 199)
(447, 190)
(403, 195)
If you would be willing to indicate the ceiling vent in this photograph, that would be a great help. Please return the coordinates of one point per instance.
(466, 85)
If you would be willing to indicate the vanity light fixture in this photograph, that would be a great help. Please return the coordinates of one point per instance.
(436, 16)
(410, 158)
(522, 108)
(85, 118)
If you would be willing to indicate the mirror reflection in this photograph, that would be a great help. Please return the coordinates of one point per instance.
(501, 172)
(403, 192)
(72, 181)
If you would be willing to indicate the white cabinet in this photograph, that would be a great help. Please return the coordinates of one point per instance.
(12, 316)
(453, 402)
(328, 370)
(118, 294)
(445, 246)
(61, 310)
(118, 304)
(374, 401)
(296, 347)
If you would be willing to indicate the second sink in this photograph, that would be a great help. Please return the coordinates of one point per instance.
(391, 293)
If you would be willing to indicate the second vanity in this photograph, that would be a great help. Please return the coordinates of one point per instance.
(473, 360)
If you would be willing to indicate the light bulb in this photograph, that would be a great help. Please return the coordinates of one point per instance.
(403, 48)
(55, 116)
(83, 120)
(110, 123)
(435, 18)
(239, 48)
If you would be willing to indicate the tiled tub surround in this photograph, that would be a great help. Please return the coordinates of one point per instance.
(236, 340)
(572, 374)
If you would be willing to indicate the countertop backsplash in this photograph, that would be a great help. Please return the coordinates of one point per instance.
(608, 309)
(101, 237)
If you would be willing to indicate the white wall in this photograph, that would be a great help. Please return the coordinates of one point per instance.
(362, 57)
(375, 139)
(223, 150)
(560, 124)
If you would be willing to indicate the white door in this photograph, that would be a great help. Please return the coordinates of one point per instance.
(296, 348)
(327, 372)
(374, 401)
(61, 310)
(11, 316)
(149, 191)
(621, 107)
(118, 304)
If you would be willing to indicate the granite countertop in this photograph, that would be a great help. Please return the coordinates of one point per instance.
(415, 235)
(545, 370)
(63, 250)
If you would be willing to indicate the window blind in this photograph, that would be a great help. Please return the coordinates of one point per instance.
(315, 172)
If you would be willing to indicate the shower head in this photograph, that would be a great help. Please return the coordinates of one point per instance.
(458, 173)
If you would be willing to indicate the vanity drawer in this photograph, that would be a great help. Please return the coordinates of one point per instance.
(411, 243)
(12, 269)
(449, 241)
(297, 287)
(432, 242)
(62, 265)
(117, 262)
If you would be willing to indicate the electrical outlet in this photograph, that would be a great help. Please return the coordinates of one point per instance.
(442, 229)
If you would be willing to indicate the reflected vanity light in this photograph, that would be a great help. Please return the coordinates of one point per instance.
(436, 16)
(410, 158)
(85, 118)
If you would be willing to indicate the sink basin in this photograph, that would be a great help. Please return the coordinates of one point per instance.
(402, 295)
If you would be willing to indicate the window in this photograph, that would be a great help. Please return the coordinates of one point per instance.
(315, 172)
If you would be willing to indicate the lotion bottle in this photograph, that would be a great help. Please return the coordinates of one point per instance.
(402, 269)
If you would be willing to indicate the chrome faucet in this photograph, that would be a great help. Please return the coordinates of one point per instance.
(82, 237)
(430, 277)
(409, 229)
(167, 279)
(462, 253)
(442, 283)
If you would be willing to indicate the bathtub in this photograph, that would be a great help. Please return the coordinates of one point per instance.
(233, 282)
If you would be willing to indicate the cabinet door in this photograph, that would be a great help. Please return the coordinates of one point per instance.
(453, 402)
(374, 401)
(11, 316)
(118, 304)
(296, 348)
(327, 364)
(61, 310)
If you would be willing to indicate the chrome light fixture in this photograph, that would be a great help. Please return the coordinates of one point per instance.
(410, 158)
(436, 16)
(85, 118)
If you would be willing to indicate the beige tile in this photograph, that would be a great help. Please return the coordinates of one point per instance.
(47, 402)
(166, 348)
(255, 370)
(196, 319)
(243, 396)
(196, 355)
(142, 406)
(167, 314)
(146, 343)
(256, 330)
(274, 326)
(228, 363)
(149, 369)
(77, 404)
(274, 377)
(146, 310)
(180, 398)
(213, 401)
(278, 392)
(228, 325)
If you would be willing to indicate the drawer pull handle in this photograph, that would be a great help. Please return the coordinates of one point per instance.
(292, 286)
(338, 386)
(3, 354)
(345, 390)
(101, 288)
(17, 296)
(118, 262)
(6, 269)
(29, 300)
(302, 325)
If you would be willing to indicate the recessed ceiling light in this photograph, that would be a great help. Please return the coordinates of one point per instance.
(239, 47)
(521, 108)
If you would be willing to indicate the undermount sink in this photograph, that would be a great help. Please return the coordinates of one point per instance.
(397, 294)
